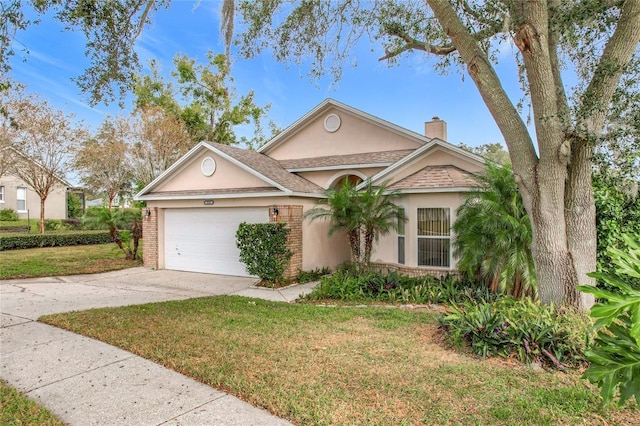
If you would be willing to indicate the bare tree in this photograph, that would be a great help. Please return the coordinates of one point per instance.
(102, 160)
(42, 138)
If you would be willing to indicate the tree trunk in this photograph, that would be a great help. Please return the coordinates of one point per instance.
(354, 243)
(368, 245)
(42, 200)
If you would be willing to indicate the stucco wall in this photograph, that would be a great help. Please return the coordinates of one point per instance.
(355, 135)
(318, 249)
(386, 251)
(55, 206)
(226, 175)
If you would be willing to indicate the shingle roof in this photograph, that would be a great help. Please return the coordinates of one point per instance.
(269, 168)
(384, 157)
(436, 177)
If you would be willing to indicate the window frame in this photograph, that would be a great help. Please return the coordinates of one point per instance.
(2, 194)
(401, 235)
(448, 238)
(18, 199)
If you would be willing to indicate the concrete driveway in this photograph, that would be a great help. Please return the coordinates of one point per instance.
(87, 382)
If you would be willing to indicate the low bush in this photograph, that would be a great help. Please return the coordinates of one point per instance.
(528, 330)
(8, 215)
(91, 219)
(313, 275)
(25, 241)
(350, 284)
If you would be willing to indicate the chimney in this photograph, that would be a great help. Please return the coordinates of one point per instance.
(436, 128)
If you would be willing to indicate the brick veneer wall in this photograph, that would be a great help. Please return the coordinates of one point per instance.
(150, 237)
(292, 216)
(413, 272)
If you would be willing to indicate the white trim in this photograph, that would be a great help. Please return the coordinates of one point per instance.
(26, 195)
(223, 196)
(339, 167)
(328, 103)
(436, 190)
(342, 173)
(208, 166)
(2, 191)
(332, 127)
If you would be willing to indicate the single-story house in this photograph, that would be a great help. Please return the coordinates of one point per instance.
(195, 206)
(18, 195)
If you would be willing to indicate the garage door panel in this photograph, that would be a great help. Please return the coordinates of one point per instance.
(204, 240)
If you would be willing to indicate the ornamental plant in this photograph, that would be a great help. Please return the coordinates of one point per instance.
(615, 354)
(263, 249)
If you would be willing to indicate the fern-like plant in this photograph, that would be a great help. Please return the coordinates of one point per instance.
(615, 355)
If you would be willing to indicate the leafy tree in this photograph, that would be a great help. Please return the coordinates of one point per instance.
(378, 215)
(552, 165)
(43, 138)
(213, 101)
(493, 234)
(74, 205)
(102, 161)
(494, 152)
(341, 207)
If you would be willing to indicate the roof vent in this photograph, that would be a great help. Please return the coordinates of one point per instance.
(332, 123)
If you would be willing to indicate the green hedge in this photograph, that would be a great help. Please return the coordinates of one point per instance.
(25, 241)
(263, 249)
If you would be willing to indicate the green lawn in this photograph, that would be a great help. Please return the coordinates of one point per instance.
(16, 409)
(53, 261)
(341, 365)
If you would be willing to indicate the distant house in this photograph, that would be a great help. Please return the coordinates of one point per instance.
(15, 194)
(194, 208)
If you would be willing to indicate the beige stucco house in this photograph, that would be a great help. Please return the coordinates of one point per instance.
(195, 207)
(17, 195)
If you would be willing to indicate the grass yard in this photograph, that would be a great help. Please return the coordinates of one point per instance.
(16, 409)
(71, 260)
(341, 365)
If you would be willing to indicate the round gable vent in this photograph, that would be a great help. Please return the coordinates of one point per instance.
(208, 166)
(332, 123)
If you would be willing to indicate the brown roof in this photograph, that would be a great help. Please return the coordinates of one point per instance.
(270, 168)
(436, 177)
(384, 157)
(218, 191)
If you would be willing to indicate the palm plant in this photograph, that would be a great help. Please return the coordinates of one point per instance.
(341, 208)
(378, 215)
(493, 234)
(115, 221)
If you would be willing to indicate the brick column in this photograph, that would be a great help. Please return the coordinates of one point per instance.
(150, 237)
(292, 216)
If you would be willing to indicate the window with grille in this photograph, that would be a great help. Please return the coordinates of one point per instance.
(1, 194)
(401, 228)
(21, 198)
(434, 237)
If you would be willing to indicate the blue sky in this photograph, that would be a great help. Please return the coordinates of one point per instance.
(407, 95)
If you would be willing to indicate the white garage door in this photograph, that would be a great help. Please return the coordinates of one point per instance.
(204, 240)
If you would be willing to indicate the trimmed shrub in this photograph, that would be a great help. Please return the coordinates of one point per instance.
(529, 330)
(263, 249)
(8, 215)
(313, 275)
(24, 241)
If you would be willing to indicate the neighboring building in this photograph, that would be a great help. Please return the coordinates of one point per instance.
(195, 207)
(17, 195)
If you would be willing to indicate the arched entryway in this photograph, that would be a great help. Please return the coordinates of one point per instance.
(354, 177)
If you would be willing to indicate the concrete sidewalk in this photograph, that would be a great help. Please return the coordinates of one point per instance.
(87, 382)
